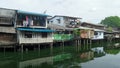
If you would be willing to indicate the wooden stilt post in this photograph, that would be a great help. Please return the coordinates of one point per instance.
(90, 43)
(80, 44)
(63, 46)
(4, 50)
(14, 47)
(22, 48)
(51, 48)
(22, 51)
(34, 47)
(84, 44)
(87, 44)
(39, 47)
(76, 45)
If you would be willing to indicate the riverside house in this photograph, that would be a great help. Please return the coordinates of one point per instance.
(32, 28)
(61, 33)
(84, 32)
(98, 34)
(7, 30)
(65, 21)
(98, 30)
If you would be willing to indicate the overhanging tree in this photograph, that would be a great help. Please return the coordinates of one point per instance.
(112, 21)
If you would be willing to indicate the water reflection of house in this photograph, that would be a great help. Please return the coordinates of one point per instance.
(66, 21)
(7, 31)
(98, 51)
(87, 56)
(35, 62)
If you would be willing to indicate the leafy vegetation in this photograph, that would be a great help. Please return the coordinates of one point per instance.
(112, 21)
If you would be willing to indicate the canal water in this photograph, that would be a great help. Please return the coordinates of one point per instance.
(97, 55)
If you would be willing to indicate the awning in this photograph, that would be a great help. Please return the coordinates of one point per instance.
(35, 30)
(30, 13)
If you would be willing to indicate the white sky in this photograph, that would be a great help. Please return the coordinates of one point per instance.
(92, 11)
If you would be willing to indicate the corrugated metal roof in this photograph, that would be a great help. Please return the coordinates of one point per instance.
(35, 30)
(31, 13)
(85, 28)
(99, 30)
(93, 24)
(66, 17)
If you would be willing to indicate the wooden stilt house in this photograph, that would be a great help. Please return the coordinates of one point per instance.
(32, 28)
(7, 30)
(61, 33)
(84, 32)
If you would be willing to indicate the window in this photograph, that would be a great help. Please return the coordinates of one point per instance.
(58, 20)
(33, 20)
(8, 21)
(28, 35)
(95, 33)
(51, 22)
(100, 33)
(44, 35)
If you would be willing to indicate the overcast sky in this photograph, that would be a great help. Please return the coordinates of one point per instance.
(92, 11)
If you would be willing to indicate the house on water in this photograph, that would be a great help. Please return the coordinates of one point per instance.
(65, 21)
(7, 30)
(61, 33)
(32, 28)
(98, 30)
(98, 34)
(84, 32)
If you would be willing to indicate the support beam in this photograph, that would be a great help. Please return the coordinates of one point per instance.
(87, 44)
(22, 48)
(80, 44)
(39, 47)
(4, 50)
(84, 43)
(51, 49)
(63, 46)
(15, 47)
(90, 43)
